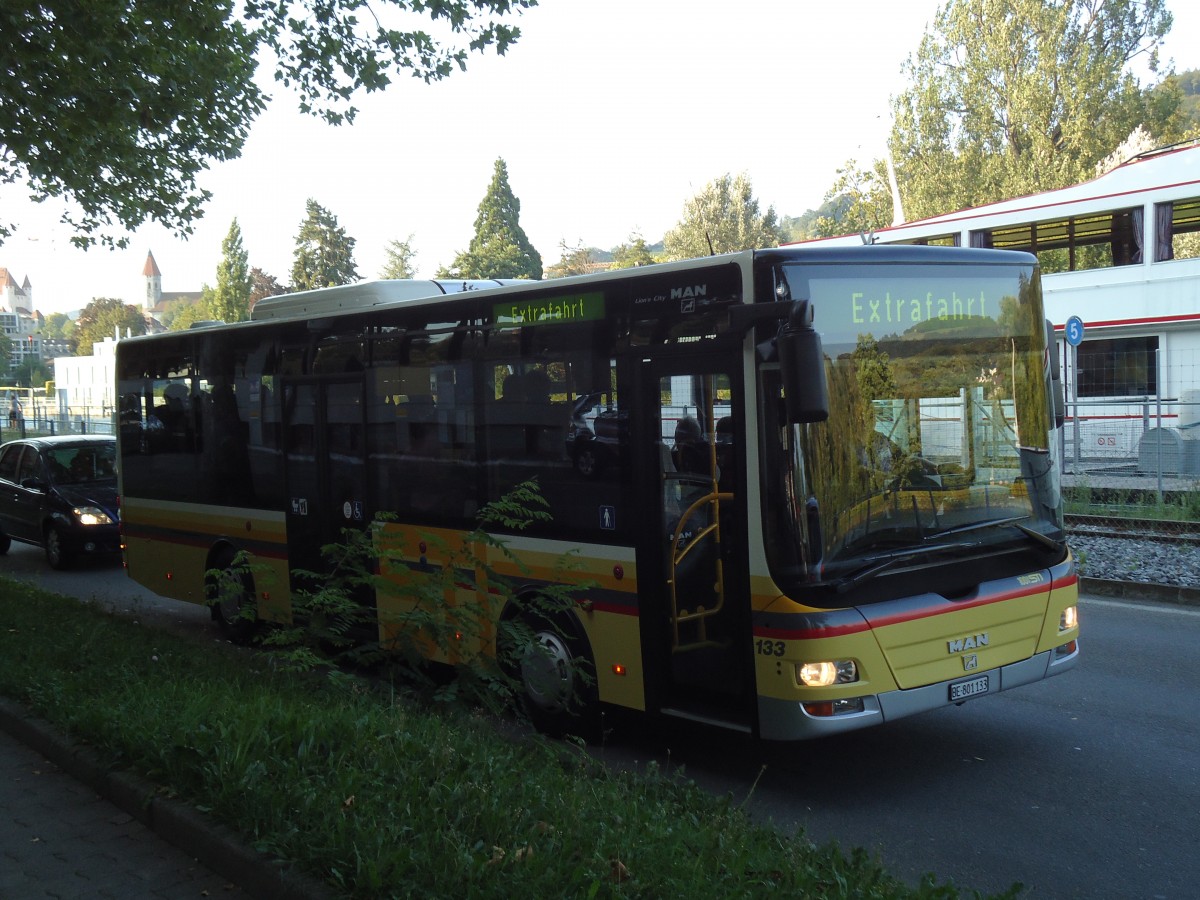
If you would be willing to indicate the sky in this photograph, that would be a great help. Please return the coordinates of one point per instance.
(610, 115)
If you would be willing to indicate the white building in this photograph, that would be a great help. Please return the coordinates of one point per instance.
(84, 384)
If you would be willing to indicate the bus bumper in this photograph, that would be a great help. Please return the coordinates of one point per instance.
(787, 720)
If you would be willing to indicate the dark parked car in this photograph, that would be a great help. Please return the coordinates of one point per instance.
(60, 493)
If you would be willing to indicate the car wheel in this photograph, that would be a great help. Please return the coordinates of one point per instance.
(229, 591)
(5, 543)
(56, 551)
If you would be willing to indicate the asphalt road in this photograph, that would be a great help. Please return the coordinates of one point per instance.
(1084, 786)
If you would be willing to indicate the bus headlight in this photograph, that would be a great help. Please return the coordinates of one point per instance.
(1069, 619)
(91, 515)
(824, 674)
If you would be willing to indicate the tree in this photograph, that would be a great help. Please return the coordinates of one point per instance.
(122, 108)
(635, 253)
(1009, 97)
(324, 252)
(106, 317)
(859, 202)
(500, 247)
(58, 327)
(399, 262)
(724, 217)
(577, 260)
(184, 315)
(32, 372)
(231, 298)
(263, 285)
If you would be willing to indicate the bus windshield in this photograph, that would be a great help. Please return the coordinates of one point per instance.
(939, 440)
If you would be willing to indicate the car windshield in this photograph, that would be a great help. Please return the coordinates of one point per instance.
(81, 465)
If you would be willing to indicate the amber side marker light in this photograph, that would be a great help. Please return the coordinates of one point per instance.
(618, 669)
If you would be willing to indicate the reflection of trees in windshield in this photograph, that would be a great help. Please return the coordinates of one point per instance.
(923, 431)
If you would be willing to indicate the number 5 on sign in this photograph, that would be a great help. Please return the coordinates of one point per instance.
(1074, 331)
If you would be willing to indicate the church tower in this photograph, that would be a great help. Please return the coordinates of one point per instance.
(153, 279)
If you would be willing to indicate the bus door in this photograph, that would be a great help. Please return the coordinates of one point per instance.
(692, 558)
(325, 453)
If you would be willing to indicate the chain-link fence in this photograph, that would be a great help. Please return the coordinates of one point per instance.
(1136, 458)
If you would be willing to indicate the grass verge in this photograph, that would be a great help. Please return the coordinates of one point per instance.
(379, 797)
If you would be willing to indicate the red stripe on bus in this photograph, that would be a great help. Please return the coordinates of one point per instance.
(908, 615)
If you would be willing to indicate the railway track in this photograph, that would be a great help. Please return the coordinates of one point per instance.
(1162, 531)
(1137, 559)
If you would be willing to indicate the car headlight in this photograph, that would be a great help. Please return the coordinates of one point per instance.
(91, 515)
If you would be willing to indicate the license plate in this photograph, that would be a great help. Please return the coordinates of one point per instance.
(964, 689)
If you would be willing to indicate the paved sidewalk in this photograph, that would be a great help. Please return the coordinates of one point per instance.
(59, 838)
(72, 829)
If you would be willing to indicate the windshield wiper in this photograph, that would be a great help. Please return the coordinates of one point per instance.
(883, 564)
(1012, 522)
(842, 585)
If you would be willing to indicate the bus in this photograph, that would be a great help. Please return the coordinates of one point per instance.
(1119, 255)
(809, 490)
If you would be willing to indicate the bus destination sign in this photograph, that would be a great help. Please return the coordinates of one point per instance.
(557, 310)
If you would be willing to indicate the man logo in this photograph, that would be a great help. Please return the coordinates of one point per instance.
(971, 642)
(971, 661)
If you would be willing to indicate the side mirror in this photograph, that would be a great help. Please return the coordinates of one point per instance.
(802, 367)
(1057, 394)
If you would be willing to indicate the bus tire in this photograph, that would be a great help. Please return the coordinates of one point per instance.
(229, 590)
(555, 677)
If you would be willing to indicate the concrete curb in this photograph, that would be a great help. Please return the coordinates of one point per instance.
(1138, 590)
(196, 834)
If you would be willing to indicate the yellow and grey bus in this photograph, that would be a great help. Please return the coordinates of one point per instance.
(809, 489)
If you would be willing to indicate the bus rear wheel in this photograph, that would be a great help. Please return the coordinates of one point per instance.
(229, 589)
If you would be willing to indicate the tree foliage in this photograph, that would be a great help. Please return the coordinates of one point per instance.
(858, 203)
(231, 297)
(1009, 97)
(399, 261)
(324, 254)
(723, 217)
(633, 254)
(58, 326)
(500, 247)
(263, 285)
(120, 105)
(106, 317)
(577, 260)
(32, 372)
(182, 315)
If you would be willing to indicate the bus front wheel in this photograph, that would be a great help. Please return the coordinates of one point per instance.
(555, 676)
